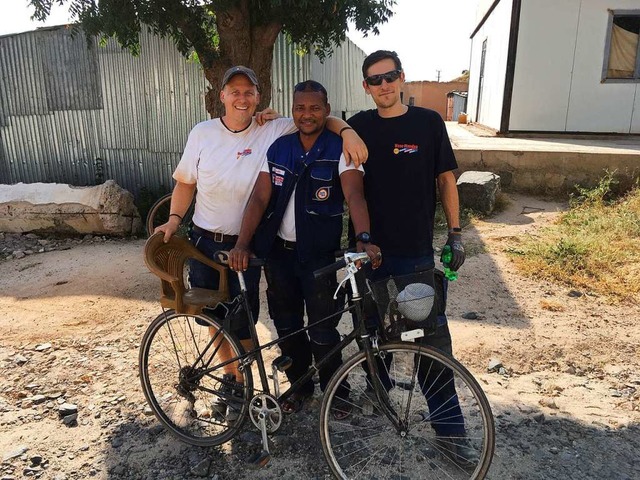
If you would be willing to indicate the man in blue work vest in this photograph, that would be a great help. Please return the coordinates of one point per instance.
(295, 211)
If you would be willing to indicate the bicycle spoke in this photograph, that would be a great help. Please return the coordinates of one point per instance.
(185, 396)
(425, 393)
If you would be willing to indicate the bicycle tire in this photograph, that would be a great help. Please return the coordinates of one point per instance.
(365, 444)
(159, 215)
(173, 354)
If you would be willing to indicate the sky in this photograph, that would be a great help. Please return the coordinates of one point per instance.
(428, 35)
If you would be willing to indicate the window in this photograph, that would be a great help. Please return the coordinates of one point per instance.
(622, 58)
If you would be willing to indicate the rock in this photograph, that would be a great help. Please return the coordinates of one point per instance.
(251, 437)
(35, 460)
(19, 254)
(494, 365)
(118, 470)
(575, 293)
(470, 316)
(58, 208)
(117, 442)
(19, 359)
(478, 190)
(67, 409)
(202, 468)
(70, 420)
(38, 399)
(14, 453)
(549, 403)
(42, 347)
(539, 417)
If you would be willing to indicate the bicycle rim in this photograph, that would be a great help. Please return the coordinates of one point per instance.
(159, 214)
(366, 444)
(199, 408)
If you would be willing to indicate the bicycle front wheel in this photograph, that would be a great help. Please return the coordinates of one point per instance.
(446, 428)
(199, 403)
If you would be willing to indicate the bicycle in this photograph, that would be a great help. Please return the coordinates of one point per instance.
(389, 429)
(159, 214)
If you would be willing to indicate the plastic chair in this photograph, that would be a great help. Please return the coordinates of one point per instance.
(168, 260)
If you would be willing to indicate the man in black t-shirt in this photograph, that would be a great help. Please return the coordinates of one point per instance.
(409, 155)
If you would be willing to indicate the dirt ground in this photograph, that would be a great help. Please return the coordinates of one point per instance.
(567, 404)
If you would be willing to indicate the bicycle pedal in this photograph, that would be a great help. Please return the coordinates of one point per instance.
(259, 459)
(282, 363)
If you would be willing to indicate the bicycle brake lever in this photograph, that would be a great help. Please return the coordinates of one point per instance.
(351, 271)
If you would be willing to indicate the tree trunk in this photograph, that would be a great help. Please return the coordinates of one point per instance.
(241, 44)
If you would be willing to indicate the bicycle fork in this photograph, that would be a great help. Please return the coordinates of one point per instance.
(370, 345)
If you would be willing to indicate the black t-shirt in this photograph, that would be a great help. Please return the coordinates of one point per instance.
(406, 154)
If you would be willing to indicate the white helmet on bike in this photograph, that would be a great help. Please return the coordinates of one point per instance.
(416, 301)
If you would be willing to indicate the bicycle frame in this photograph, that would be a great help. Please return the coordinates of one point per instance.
(368, 344)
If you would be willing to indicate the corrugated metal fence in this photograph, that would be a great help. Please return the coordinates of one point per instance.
(78, 115)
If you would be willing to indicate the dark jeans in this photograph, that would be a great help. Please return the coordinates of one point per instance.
(437, 381)
(291, 288)
(203, 276)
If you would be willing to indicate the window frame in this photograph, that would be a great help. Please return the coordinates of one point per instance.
(607, 49)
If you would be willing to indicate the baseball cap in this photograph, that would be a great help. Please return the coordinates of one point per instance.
(240, 69)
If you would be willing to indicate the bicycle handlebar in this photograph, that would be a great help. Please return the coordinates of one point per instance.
(332, 267)
(349, 257)
(222, 257)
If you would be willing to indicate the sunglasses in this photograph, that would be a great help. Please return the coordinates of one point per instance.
(388, 77)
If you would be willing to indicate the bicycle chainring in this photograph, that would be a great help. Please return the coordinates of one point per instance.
(267, 406)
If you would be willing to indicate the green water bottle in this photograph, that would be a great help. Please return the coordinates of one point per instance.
(446, 257)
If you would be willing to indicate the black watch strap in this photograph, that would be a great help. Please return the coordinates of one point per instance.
(363, 237)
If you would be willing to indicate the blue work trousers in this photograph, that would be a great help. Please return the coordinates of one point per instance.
(292, 288)
(203, 276)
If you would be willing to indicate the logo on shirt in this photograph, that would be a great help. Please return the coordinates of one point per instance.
(277, 179)
(404, 148)
(246, 152)
(322, 194)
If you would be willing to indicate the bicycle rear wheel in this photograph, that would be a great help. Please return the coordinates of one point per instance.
(365, 444)
(159, 214)
(200, 407)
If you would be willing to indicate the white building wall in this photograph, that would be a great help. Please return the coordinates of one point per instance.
(596, 106)
(496, 31)
(557, 82)
(544, 63)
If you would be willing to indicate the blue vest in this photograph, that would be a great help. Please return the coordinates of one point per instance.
(318, 201)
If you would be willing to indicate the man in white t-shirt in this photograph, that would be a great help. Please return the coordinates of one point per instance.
(222, 158)
(296, 213)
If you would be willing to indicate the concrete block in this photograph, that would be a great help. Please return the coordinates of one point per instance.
(105, 209)
(478, 190)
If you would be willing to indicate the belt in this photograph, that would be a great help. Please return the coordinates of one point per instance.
(215, 236)
(288, 245)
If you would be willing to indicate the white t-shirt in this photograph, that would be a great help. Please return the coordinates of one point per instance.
(225, 166)
(287, 230)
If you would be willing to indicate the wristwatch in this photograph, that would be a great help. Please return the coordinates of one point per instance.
(363, 237)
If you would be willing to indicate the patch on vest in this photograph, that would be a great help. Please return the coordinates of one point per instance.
(277, 179)
(322, 194)
(404, 148)
(278, 171)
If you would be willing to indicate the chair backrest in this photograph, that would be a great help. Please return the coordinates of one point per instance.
(167, 261)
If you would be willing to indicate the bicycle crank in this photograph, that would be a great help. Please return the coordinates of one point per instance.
(265, 407)
(265, 414)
